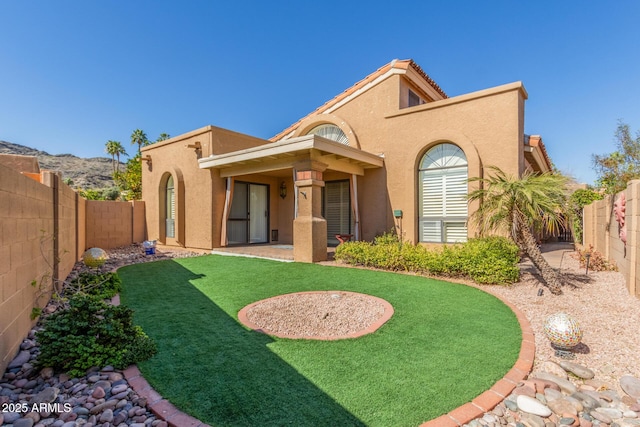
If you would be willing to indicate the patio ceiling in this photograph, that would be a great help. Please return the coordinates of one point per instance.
(286, 153)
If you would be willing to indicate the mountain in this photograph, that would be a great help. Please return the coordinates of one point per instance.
(84, 173)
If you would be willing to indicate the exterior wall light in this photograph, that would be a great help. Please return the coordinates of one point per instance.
(147, 159)
(283, 190)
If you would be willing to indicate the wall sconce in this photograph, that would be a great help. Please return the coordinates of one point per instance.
(147, 159)
(283, 190)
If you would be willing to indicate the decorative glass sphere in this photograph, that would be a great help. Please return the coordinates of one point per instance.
(94, 257)
(563, 331)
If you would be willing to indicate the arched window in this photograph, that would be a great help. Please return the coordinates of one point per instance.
(443, 208)
(170, 211)
(330, 131)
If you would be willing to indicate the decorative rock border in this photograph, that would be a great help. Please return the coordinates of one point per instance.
(388, 313)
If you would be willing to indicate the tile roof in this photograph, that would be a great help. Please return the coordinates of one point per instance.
(395, 64)
(536, 141)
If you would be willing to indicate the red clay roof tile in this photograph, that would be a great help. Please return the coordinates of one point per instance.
(397, 64)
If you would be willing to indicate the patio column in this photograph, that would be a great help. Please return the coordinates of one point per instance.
(309, 227)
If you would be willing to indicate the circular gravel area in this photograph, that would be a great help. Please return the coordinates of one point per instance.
(317, 315)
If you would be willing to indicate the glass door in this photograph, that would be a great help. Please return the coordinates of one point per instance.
(249, 216)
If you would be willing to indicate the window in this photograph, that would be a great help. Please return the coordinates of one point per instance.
(170, 212)
(336, 209)
(414, 99)
(443, 208)
(331, 132)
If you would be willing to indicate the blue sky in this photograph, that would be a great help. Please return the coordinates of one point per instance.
(74, 74)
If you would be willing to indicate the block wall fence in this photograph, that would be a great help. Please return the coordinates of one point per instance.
(45, 227)
(602, 230)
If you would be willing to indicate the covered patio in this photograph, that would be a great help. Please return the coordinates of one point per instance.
(304, 162)
(275, 252)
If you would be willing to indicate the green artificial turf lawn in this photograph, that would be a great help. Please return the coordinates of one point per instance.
(445, 344)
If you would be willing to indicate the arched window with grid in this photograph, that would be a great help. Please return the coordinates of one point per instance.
(442, 206)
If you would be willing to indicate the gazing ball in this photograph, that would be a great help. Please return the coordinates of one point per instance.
(94, 257)
(563, 331)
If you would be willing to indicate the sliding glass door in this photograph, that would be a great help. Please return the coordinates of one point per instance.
(249, 217)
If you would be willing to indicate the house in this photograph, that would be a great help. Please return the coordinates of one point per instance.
(391, 151)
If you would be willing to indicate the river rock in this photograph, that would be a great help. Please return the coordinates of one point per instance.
(98, 393)
(48, 395)
(565, 385)
(22, 358)
(553, 368)
(107, 416)
(589, 402)
(631, 386)
(119, 389)
(532, 406)
(552, 394)
(23, 422)
(531, 420)
(562, 406)
(525, 390)
(10, 417)
(577, 369)
(603, 418)
(612, 413)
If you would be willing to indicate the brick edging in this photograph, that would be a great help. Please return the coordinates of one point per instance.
(163, 409)
(501, 389)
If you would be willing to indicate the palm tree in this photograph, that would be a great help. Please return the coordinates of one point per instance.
(163, 137)
(119, 151)
(514, 204)
(111, 147)
(139, 137)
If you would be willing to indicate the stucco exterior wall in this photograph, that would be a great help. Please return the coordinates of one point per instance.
(602, 231)
(199, 192)
(488, 125)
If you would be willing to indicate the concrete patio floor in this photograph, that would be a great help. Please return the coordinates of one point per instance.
(275, 252)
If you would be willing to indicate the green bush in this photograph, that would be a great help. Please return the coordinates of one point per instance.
(487, 260)
(102, 285)
(91, 333)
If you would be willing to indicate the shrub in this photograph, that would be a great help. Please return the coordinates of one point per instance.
(488, 260)
(91, 333)
(597, 261)
(104, 286)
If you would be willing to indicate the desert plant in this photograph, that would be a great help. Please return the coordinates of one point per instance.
(514, 204)
(91, 333)
(597, 261)
(102, 285)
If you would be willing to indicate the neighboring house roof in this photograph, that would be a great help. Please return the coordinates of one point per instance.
(535, 147)
(394, 67)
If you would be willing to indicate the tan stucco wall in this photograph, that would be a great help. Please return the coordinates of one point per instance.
(199, 192)
(488, 125)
